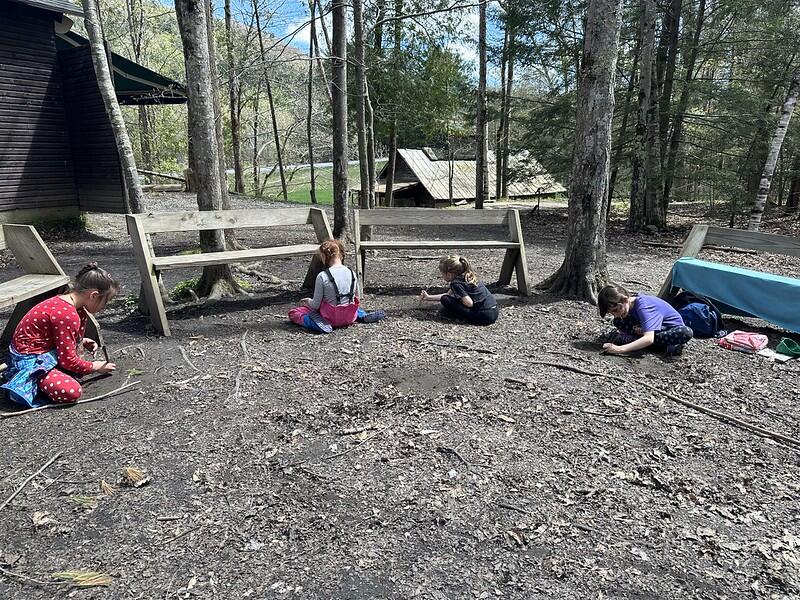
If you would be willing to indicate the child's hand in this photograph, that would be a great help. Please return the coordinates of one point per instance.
(424, 295)
(89, 344)
(611, 348)
(305, 301)
(101, 366)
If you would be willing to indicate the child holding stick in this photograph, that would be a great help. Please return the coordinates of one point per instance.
(468, 299)
(43, 351)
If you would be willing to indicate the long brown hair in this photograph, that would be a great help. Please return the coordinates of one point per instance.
(330, 249)
(458, 266)
(92, 277)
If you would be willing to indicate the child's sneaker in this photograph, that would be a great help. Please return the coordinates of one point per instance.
(315, 322)
(372, 317)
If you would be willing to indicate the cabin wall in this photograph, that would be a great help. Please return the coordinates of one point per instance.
(94, 150)
(36, 170)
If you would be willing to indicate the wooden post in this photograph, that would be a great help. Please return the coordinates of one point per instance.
(150, 289)
(317, 218)
(360, 255)
(691, 247)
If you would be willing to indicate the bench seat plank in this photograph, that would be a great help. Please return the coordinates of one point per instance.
(410, 244)
(27, 286)
(161, 263)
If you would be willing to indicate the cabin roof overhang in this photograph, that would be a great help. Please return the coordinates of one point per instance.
(64, 7)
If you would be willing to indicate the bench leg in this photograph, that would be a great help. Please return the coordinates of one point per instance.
(152, 297)
(311, 275)
(523, 279)
(509, 262)
(361, 256)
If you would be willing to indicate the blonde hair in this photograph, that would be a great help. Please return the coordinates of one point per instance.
(330, 249)
(458, 266)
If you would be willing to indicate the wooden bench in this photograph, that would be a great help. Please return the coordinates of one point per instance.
(43, 279)
(140, 225)
(512, 242)
(733, 297)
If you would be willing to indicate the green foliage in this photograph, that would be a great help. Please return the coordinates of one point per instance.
(181, 289)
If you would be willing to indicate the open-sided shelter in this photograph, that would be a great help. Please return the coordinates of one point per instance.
(424, 179)
(57, 149)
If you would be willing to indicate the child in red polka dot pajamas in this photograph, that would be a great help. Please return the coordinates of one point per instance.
(44, 355)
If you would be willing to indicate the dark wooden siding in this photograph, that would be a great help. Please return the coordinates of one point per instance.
(94, 152)
(35, 155)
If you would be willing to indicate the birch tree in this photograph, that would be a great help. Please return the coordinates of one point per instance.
(757, 212)
(481, 120)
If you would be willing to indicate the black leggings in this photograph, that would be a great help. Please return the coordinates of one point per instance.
(666, 337)
(454, 309)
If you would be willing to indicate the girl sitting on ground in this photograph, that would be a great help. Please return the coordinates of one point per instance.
(44, 358)
(335, 302)
(467, 299)
(642, 321)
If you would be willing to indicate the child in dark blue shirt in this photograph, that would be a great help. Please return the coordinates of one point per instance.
(468, 299)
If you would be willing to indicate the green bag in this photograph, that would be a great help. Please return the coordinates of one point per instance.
(788, 346)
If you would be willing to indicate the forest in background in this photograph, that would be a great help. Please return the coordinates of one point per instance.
(700, 85)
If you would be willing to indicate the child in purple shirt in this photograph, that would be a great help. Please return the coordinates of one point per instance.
(643, 321)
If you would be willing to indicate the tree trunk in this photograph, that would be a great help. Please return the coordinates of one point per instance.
(256, 175)
(312, 5)
(339, 110)
(584, 269)
(361, 93)
(271, 102)
(498, 147)
(315, 42)
(623, 130)
(481, 121)
(508, 98)
(218, 280)
(645, 209)
(665, 71)
(757, 212)
(392, 164)
(133, 196)
(793, 200)
(680, 110)
(233, 98)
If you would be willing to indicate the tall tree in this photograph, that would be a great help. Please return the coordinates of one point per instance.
(481, 120)
(364, 199)
(216, 280)
(339, 110)
(392, 159)
(312, 7)
(134, 11)
(234, 104)
(134, 198)
(584, 268)
(271, 101)
(757, 212)
(645, 206)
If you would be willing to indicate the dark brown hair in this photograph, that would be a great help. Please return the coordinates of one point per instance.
(330, 249)
(610, 296)
(92, 277)
(458, 266)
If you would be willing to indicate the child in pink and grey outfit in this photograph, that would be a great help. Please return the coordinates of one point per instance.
(335, 302)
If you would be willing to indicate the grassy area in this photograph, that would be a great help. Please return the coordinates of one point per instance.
(300, 183)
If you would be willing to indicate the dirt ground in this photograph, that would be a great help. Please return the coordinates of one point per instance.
(412, 458)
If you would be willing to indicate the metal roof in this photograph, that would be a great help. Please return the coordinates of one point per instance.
(133, 83)
(434, 176)
(58, 6)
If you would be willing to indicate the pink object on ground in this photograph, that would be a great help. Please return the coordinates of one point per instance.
(338, 316)
(744, 341)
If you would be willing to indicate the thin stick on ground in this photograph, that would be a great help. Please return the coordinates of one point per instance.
(29, 479)
(785, 439)
(186, 358)
(22, 577)
(359, 444)
(446, 345)
(119, 390)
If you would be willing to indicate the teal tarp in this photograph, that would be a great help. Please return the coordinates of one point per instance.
(743, 292)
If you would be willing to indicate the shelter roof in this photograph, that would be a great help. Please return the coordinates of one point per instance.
(133, 83)
(59, 6)
(434, 176)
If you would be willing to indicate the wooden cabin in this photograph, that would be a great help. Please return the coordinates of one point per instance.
(57, 151)
(424, 179)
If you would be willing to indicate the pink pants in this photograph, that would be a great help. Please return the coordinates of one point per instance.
(60, 387)
(338, 316)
